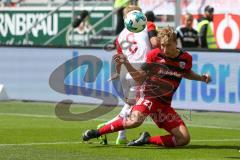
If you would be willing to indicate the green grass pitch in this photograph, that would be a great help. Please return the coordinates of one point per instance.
(31, 131)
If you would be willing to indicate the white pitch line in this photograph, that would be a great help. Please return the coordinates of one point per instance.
(212, 127)
(27, 115)
(66, 143)
(40, 143)
(215, 140)
(104, 119)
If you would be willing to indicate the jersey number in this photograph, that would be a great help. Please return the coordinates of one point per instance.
(133, 44)
(144, 102)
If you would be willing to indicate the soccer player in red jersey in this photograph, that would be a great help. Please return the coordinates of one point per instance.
(160, 77)
(134, 46)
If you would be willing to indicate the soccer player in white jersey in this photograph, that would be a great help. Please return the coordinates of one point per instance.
(135, 47)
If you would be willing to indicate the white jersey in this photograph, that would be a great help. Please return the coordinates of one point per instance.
(134, 46)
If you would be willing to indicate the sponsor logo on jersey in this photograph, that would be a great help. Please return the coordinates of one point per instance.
(182, 64)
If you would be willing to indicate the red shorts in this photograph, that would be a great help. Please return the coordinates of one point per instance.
(163, 115)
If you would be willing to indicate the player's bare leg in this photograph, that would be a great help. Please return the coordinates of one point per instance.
(178, 136)
(134, 120)
(181, 135)
(178, 132)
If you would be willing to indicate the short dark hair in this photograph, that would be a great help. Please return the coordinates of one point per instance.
(150, 16)
(78, 21)
(209, 9)
(84, 14)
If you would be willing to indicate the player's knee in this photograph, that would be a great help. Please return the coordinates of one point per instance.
(133, 123)
(135, 119)
(181, 135)
(186, 140)
(136, 123)
(183, 140)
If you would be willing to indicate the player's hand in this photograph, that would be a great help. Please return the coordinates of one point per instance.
(114, 76)
(206, 78)
(119, 58)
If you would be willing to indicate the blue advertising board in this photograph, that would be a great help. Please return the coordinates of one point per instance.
(25, 73)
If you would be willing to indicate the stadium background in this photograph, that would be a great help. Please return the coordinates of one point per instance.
(53, 29)
(15, 21)
(36, 38)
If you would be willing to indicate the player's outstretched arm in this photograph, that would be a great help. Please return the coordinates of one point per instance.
(137, 75)
(194, 76)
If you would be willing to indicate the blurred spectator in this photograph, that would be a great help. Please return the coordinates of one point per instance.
(187, 37)
(150, 16)
(153, 33)
(120, 5)
(6, 2)
(206, 34)
(82, 28)
(81, 20)
(10, 3)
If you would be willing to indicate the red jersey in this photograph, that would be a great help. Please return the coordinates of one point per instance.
(164, 74)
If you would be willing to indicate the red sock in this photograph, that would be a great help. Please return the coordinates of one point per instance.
(114, 126)
(168, 140)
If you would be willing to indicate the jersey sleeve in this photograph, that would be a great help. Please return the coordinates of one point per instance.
(147, 65)
(151, 55)
(151, 27)
(118, 46)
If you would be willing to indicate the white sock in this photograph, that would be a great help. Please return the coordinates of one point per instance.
(122, 134)
(124, 113)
